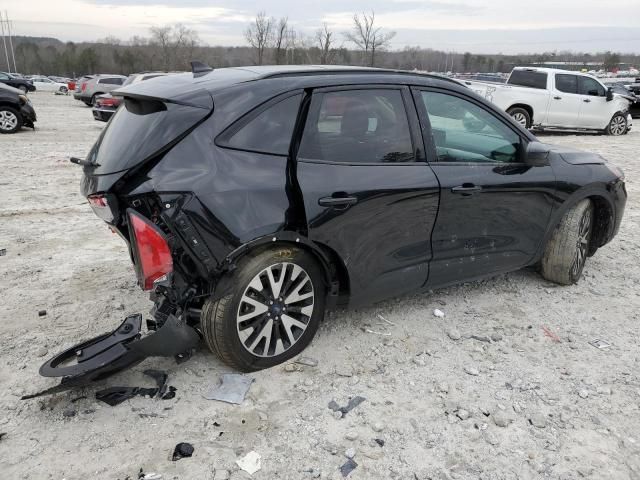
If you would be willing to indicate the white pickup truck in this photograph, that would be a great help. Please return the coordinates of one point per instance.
(546, 98)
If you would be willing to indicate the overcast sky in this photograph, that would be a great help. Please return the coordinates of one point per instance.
(479, 26)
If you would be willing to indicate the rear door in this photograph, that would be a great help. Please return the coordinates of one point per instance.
(494, 209)
(566, 102)
(369, 194)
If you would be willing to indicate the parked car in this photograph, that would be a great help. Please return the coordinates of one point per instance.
(89, 88)
(16, 110)
(15, 82)
(546, 98)
(106, 105)
(634, 90)
(311, 187)
(47, 85)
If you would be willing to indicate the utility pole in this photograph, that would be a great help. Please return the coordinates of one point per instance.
(13, 55)
(4, 41)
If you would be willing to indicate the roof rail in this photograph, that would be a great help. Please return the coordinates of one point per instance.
(357, 71)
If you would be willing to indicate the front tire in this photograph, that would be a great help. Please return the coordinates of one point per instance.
(567, 249)
(10, 120)
(272, 313)
(521, 116)
(618, 125)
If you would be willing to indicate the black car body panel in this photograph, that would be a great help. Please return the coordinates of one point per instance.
(14, 98)
(378, 228)
(19, 83)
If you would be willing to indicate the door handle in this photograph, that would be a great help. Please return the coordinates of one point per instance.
(586, 100)
(557, 98)
(337, 201)
(466, 189)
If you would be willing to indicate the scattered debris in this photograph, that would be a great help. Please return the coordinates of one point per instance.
(471, 371)
(2, 434)
(307, 361)
(379, 441)
(601, 344)
(550, 334)
(368, 330)
(385, 320)
(69, 412)
(148, 476)
(116, 395)
(182, 450)
(350, 452)
(583, 393)
(438, 313)
(353, 403)
(482, 338)
(349, 466)
(42, 313)
(232, 388)
(250, 463)
(3, 252)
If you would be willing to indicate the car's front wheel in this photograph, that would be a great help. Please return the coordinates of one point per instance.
(272, 313)
(10, 120)
(617, 125)
(567, 249)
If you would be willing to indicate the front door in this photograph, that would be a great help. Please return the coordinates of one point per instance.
(369, 194)
(594, 112)
(494, 209)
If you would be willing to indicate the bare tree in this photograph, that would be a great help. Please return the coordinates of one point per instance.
(282, 38)
(326, 44)
(259, 35)
(367, 37)
(161, 36)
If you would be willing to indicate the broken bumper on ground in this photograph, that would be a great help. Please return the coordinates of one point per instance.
(105, 355)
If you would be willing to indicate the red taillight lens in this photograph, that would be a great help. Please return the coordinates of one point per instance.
(109, 102)
(151, 250)
(102, 207)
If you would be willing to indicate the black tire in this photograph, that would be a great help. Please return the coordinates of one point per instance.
(92, 102)
(618, 125)
(566, 251)
(521, 116)
(219, 319)
(64, 90)
(23, 88)
(10, 120)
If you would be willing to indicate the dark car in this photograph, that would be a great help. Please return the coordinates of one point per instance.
(254, 199)
(106, 105)
(632, 90)
(16, 110)
(15, 82)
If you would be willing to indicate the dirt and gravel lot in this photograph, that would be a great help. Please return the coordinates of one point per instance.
(505, 386)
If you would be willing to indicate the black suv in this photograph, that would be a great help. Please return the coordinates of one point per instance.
(20, 83)
(16, 110)
(253, 199)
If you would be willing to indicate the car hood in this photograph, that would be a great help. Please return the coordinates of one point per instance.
(576, 157)
(10, 88)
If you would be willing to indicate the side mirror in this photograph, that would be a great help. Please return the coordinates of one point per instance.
(537, 154)
(609, 94)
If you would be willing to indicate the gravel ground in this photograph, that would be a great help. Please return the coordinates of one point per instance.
(504, 386)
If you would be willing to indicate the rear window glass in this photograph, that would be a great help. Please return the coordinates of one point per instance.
(525, 78)
(270, 131)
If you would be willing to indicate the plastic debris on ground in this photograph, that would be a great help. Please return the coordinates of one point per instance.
(353, 403)
(3, 252)
(116, 395)
(250, 463)
(438, 313)
(349, 466)
(231, 389)
(182, 450)
(601, 344)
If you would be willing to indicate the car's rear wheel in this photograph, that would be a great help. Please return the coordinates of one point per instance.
(521, 116)
(618, 125)
(10, 120)
(272, 313)
(567, 250)
(64, 90)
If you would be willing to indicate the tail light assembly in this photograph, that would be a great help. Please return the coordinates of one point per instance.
(104, 206)
(84, 86)
(151, 251)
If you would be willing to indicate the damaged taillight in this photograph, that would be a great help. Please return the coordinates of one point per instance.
(151, 251)
(104, 206)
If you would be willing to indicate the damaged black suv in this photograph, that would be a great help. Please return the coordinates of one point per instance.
(253, 199)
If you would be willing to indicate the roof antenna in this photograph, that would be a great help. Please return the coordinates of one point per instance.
(199, 68)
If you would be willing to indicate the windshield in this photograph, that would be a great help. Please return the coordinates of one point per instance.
(138, 130)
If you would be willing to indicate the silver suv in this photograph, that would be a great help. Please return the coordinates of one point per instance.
(89, 88)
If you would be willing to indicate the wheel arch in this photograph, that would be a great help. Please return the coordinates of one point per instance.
(524, 106)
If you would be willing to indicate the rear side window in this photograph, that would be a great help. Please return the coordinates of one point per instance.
(525, 78)
(358, 126)
(270, 131)
(590, 86)
(567, 83)
(111, 81)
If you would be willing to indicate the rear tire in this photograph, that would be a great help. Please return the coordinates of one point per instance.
(521, 116)
(566, 251)
(248, 332)
(618, 125)
(10, 120)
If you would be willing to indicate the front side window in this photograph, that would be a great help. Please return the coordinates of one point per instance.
(590, 86)
(464, 132)
(567, 83)
(358, 126)
(270, 131)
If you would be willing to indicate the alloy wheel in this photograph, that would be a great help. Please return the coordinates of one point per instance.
(582, 245)
(8, 120)
(618, 125)
(520, 118)
(275, 309)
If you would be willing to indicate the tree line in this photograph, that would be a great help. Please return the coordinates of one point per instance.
(270, 41)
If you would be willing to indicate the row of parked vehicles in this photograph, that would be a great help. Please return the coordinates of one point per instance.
(34, 82)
